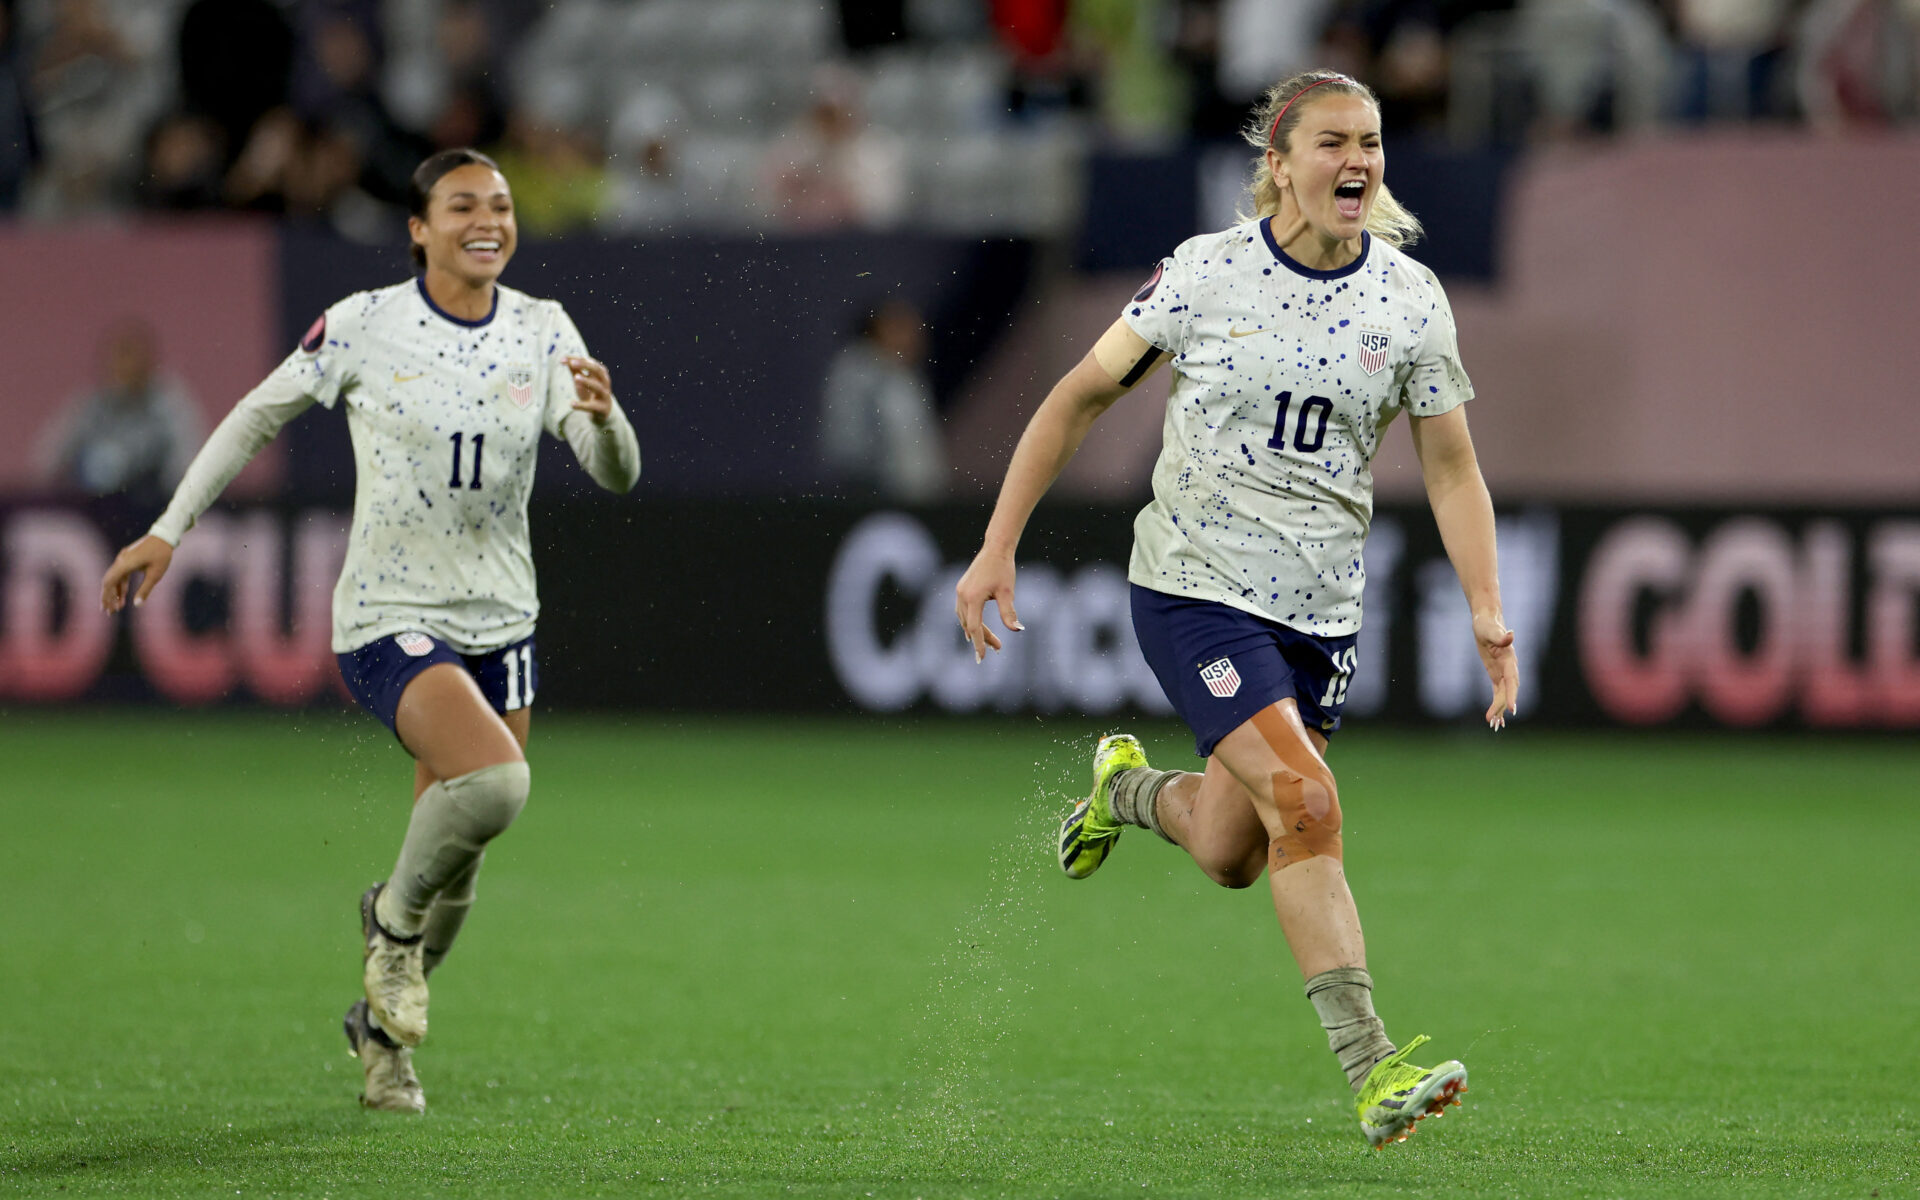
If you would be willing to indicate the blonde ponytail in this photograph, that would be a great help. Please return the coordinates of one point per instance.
(1272, 126)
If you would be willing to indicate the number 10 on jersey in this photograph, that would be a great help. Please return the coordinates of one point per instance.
(1314, 411)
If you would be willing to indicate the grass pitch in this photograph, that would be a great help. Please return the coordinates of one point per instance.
(764, 959)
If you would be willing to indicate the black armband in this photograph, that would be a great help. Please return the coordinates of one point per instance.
(1141, 368)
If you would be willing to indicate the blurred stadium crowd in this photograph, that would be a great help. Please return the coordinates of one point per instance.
(954, 115)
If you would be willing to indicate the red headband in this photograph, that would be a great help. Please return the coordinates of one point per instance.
(1289, 104)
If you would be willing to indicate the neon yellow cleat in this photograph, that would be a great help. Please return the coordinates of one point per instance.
(1397, 1094)
(1090, 831)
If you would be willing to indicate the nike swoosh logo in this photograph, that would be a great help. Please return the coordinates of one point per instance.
(1244, 332)
(399, 378)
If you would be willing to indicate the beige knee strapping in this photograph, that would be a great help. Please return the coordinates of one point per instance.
(1304, 792)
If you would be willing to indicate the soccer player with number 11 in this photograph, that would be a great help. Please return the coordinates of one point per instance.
(448, 381)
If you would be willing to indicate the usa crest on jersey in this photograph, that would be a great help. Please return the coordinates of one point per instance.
(520, 384)
(1374, 346)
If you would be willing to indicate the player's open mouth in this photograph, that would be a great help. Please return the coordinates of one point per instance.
(1350, 198)
(485, 250)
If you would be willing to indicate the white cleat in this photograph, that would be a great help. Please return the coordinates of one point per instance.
(394, 976)
(391, 1085)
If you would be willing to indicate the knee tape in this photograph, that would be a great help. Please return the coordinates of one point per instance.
(1304, 792)
(484, 802)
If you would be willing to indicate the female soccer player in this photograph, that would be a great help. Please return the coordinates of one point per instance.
(1295, 339)
(448, 381)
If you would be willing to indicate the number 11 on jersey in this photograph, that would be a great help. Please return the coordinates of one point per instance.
(479, 442)
(519, 677)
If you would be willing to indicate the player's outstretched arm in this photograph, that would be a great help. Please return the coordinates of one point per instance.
(1118, 361)
(1464, 512)
(232, 445)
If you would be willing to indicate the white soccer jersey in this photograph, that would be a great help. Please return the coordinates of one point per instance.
(446, 417)
(1284, 378)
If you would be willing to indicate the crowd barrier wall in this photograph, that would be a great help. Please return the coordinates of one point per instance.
(1634, 617)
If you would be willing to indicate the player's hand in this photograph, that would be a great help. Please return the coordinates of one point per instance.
(592, 387)
(1495, 642)
(989, 578)
(149, 557)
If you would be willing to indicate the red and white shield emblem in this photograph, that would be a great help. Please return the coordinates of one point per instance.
(1220, 677)
(415, 644)
(520, 385)
(1373, 350)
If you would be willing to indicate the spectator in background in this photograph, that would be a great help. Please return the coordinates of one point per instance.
(559, 178)
(1597, 65)
(19, 141)
(879, 434)
(832, 170)
(1265, 40)
(1729, 55)
(1859, 62)
(335, 85)
(130, 435)
(236, 60)
(183, 163)
(647, 189)
(473, 111)
(96, 96)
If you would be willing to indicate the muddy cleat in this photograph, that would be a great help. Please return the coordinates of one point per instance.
(391, 1085)
(1397, 1094)
(394, 976)
(1090, 831)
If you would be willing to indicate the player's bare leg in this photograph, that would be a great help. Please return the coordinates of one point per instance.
(1210, 816)
(1281, 765)
(480, 783)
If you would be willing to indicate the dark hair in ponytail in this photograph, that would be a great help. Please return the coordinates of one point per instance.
(428, 173)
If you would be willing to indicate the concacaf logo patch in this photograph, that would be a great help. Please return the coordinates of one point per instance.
(1146, 289)
(316, 335)
(520, 384)
(415, 644)
(1373, 350)
(1220, 677)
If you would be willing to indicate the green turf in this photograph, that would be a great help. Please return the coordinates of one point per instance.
(765, 959)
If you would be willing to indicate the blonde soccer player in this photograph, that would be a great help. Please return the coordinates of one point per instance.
(448, 381)
(1295, 339)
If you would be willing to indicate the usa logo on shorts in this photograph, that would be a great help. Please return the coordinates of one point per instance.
(520, 385)
(1220, 677)
(1373, 351)
(415, 644)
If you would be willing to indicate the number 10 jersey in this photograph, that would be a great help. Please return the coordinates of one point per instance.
(1284, 380)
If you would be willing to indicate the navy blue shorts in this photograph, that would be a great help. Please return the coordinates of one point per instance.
(379, 671)
(1219, 665)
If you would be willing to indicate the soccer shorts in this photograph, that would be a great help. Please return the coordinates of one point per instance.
(1220, 665)
(378, 672)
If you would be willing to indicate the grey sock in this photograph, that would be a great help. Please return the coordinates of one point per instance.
(448, 914)
(1135, 791)
(452, 823)
(1344, 999)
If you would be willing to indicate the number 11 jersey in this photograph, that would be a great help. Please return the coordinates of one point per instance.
(446, 416)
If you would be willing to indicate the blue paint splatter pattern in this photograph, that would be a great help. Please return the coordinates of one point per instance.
(1284, 380)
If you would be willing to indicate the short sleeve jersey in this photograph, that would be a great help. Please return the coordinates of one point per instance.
(445, 416)
(1284, 380)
